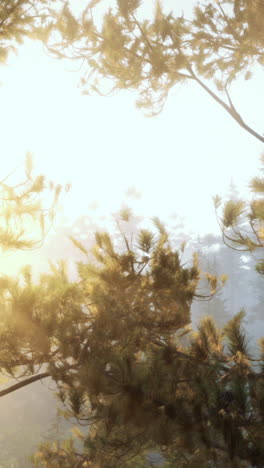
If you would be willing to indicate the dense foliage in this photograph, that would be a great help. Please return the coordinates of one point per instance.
(115, 344)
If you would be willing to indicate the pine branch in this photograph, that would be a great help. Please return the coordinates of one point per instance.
(230, 109)
(142, 32)
(9, 13)
(26, 382)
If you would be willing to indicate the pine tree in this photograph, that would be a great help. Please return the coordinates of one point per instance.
(112, 343)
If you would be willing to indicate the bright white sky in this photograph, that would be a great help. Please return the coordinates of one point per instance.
(104, 146)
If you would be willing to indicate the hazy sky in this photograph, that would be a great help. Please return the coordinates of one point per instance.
(105, 146)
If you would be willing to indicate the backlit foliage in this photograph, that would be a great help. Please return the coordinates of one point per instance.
(118, 345)
(221, 42)
(242, 223)
(24, 18)
(24, 218)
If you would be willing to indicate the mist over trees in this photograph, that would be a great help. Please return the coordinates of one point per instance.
(116, 338)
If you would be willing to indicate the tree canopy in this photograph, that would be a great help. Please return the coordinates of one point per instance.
(221, 42)
(114, 344)
(24, 18)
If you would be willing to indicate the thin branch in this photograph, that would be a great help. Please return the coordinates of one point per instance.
(19, 385)
(232, 105)
(231, 110)
(142, 32)
(237, 38)
(256, 233)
